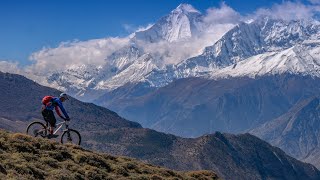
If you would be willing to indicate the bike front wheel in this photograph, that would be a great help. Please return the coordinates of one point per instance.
(71, 136)
(37, 129)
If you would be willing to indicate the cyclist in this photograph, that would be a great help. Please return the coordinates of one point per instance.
(49, 103)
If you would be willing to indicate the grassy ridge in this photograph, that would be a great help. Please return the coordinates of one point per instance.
(24, 157)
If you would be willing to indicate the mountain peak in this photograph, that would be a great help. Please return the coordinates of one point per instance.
(186, 8)
(182, 23)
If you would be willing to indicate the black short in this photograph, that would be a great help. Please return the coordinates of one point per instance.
(49, 117)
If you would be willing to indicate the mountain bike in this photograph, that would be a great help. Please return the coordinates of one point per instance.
(38, 129)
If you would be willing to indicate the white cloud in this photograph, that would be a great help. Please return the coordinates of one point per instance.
(131, 28)
(143, 28)
(75, 53)
(128, 27)
(140, 28)
(289, 11)
(10, 67)
(219, 21)
(222, 15)
(171, 53)
(15, 68)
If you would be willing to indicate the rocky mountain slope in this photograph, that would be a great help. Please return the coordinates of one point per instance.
(24, 157)
(195, 106)
(296, 132)
(230, 156)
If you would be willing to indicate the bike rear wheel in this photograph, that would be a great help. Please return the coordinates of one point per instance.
(71, 136)
(37, 129)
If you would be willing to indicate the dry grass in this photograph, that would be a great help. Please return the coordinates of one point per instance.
(24, 157)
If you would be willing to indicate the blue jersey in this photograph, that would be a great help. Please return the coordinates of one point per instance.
(54, 104)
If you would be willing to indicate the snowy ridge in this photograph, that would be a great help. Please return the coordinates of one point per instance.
(300, 59)
(186, 8)
(124, 56)
(133, 73)
(76, 78)
(243, 41)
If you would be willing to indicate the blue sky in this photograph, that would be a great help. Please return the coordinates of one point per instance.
(29, 25)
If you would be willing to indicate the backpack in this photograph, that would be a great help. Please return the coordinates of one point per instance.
(46, 100)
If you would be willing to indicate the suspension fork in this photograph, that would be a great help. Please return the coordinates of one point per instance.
(68, 132)
(66, 126)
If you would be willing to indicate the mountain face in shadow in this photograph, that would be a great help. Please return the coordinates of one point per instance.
(231, 156)
(297, 132)
(195, 106)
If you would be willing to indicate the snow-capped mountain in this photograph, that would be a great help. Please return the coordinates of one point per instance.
(75, 80)
(241, 42)
(123, 57)
(133, 73)
(182, 23)
(87, 80)
(301, 59)
(258, 47)
(131, 62)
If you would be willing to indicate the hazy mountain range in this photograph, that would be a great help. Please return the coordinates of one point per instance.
(195, 106)
(231, 156)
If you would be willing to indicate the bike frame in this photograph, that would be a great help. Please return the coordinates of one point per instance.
(60, 126)
(44, 128)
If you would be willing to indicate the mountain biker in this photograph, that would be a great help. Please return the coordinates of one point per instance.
(48, 104)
